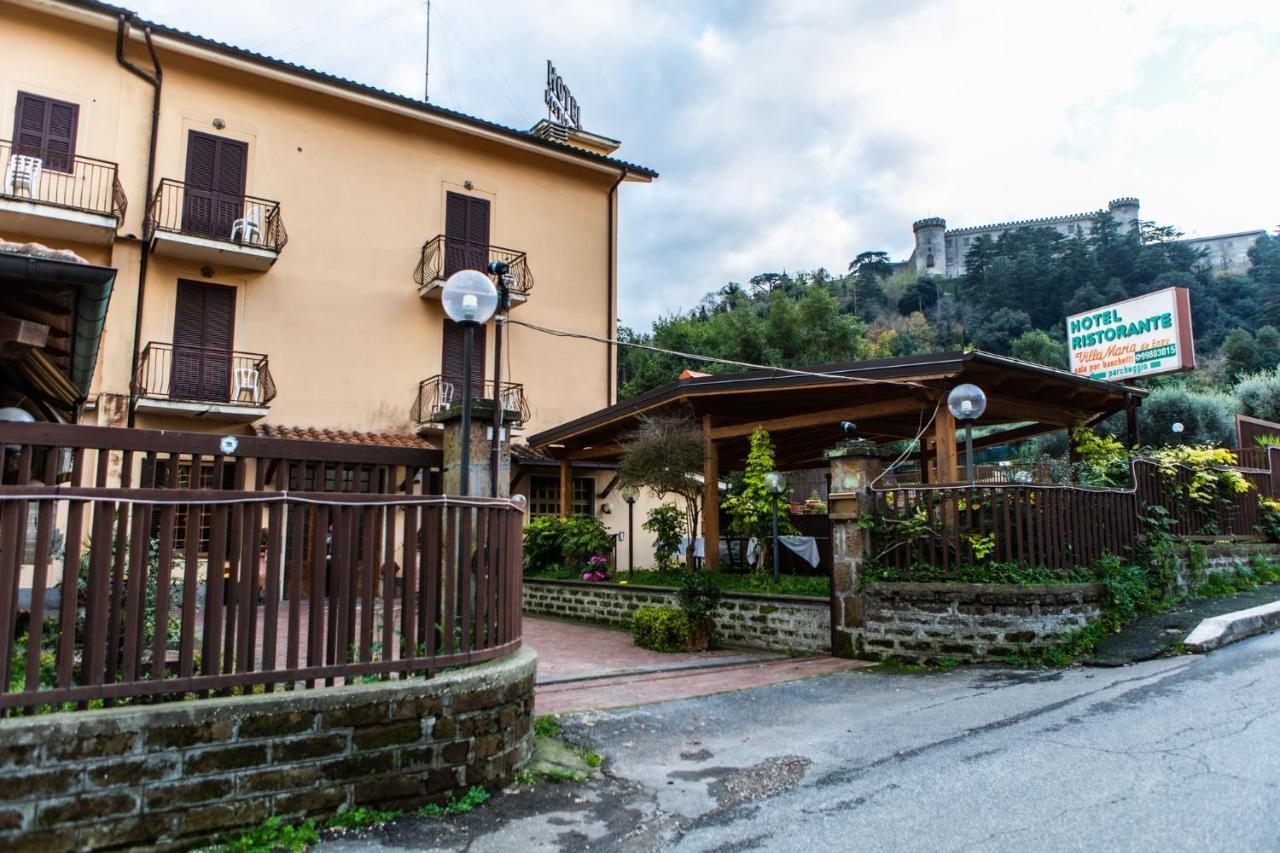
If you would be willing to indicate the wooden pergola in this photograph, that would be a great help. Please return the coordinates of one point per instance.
(888, 400)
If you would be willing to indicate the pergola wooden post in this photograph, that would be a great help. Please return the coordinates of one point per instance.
(944, 444)
(711, 500)
(566, 488)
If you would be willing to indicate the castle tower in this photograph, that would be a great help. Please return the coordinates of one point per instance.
(930, 256)
(1125, 212)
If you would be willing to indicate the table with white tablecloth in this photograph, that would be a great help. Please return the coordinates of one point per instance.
(804, 547)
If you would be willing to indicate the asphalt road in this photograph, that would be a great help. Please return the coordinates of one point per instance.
(1172, 754)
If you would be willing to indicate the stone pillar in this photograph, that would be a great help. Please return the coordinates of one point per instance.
(481, 450)
(854, 465)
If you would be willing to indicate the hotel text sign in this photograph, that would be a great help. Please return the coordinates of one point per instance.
(1142, 336)
(562, 107)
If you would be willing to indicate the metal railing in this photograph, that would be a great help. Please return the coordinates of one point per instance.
(199, 374)
(180, 208)
(442, 256)
(322, 563)
(43, 177)
(440, 393)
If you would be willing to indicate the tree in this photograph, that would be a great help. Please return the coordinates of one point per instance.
(921, 295)
(1038, 347)
(666, 453)
(750, 505)
(997, 331)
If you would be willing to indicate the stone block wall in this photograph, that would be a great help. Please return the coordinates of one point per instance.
(779, 622)
(970, 622)
(1221, 557)
(175, 774)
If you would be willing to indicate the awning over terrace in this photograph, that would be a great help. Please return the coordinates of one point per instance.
(889, 400)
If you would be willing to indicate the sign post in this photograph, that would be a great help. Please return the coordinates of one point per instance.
(1142, 336)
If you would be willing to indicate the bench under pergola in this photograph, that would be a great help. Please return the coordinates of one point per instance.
(888, 399)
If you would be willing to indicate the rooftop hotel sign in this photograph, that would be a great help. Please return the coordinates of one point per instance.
(1142, 336)
(562, 106)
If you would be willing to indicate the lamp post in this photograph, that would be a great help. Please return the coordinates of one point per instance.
(501, 271)
(629, 494)
(775, 484)
(469, 299)
(967, 403)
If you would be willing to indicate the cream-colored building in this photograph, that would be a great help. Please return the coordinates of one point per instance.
(279, 237)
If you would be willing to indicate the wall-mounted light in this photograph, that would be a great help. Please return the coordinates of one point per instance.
(467, 185)
(219, 124)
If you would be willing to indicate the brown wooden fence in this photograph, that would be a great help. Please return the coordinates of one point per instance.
(186, 567)
(947, 526)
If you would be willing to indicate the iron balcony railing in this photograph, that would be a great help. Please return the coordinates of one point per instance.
(441, 393)
(442, 256)
(198, 374)
(180, 208)
(52, 178)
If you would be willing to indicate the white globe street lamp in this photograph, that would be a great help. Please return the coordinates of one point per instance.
(775, 484)
(967, 403)
(469, 299)
(630, 494)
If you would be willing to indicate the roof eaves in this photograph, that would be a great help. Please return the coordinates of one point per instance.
(364, 88)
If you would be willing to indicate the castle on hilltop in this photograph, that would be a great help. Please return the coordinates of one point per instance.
(941, 251)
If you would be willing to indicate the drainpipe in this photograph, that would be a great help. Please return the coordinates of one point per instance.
(155, 79)
(613, 287)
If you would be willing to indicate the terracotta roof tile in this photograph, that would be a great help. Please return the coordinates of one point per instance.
(342, 436)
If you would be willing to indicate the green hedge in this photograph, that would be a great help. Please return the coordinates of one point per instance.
(661, 629)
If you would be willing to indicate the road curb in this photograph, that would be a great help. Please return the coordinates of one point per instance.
(1218, 631)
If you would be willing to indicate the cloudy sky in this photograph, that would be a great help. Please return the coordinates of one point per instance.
(792, 134)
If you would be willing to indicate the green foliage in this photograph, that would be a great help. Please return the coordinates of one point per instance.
(1036, 346)
(1212, 478)
(1104, 460)
(661, 629)
(810, 585)
(666, 453)
(699, 596)
(1070, 647)
(749, 504)
(1208, 417)
(1259, 394)
(361, 816)
(551, 541)
(667, 524)
(993, 572)
(273, 835)
(1269, 522)
(475, 796)
(548, 725)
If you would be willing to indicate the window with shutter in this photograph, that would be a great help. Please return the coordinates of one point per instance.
(203, 336)
(46, 128)
(466, 232)
(216, 168)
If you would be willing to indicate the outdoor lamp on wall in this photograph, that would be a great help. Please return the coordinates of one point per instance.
(775, 484)
(967, 403)
(629, 494)
(469, 299)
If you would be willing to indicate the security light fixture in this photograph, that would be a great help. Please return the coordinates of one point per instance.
(775, 484)
(469, 298)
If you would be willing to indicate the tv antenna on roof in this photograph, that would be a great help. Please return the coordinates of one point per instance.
(426, 78)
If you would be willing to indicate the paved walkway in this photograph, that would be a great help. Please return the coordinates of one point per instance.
(585, 667)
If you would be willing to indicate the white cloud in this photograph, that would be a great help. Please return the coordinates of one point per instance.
(792, 134)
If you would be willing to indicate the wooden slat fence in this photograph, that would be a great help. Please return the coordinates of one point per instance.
(295, 564)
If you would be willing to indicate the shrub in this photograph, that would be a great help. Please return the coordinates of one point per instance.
(550, 542)
(1259, 394)
(1207, 417)
(666, 523)
(699, 596)
(661, 629)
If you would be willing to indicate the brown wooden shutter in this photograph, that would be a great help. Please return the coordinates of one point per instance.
(466, 231)
(46, 128)
(216, 169)
(203, 337)
(451, 358)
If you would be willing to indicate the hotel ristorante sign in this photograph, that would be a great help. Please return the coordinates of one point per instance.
(562, 107)
(1142, 336)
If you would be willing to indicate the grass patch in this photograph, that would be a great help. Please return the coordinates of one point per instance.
(273, 835)
(361, 817)
(547, 725)
(893, 663)
(475, 796)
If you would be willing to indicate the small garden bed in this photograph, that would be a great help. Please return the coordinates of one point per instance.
(763, 584)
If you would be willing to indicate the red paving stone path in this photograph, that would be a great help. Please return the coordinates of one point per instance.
(571, 648)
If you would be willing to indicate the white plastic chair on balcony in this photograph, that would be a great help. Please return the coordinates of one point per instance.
(22, 175)
(247, 229)
(445, 398)
(246, 382)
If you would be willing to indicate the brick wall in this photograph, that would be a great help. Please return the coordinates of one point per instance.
(779, 622)
(178, 773)
(970, 622)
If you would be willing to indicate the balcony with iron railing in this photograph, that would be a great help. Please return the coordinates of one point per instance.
(442, 256)
(204, 225)
(439, 394)
(213, 384)
(50, 194)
